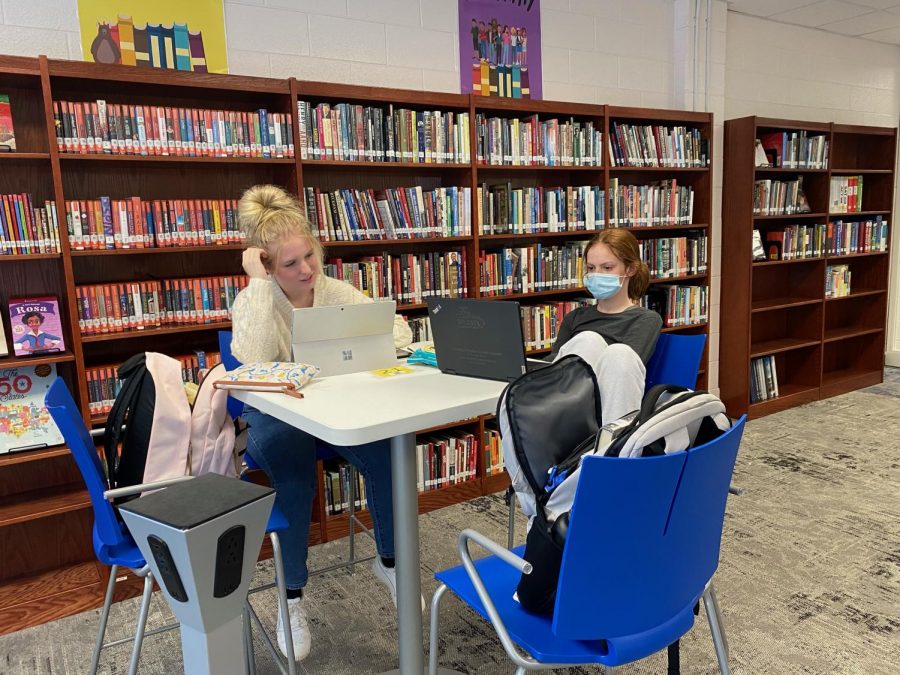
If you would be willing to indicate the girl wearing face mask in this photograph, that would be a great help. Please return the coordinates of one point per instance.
(284, 263)
(617, 336)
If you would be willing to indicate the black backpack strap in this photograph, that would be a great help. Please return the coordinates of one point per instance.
(133, 371)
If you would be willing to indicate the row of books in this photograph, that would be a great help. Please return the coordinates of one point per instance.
(676, 256)
(445, 459)
(104, 385)
(503, 209)
(493, 453)
(408, 278)
(837, 281)
(104, 223)
(657, 145)
(540, 323)
(420, 326)
(779, 198)
(845, 194)
(793, 150)
(523, 269)
(663, 203)
(678, 305)
(763, 379)
(356, 133)
(536, 142)
(26, 228)
(836, 238)
(337, 475)
(398, 213)
(98, 127)
(136, 305)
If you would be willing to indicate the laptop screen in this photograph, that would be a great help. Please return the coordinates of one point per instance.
(478, 338)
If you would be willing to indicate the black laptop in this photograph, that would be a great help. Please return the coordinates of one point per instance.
(479, 338)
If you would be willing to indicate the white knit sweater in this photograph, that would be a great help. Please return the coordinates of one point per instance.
(261, 317)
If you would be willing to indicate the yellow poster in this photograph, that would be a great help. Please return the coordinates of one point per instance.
(171, 34)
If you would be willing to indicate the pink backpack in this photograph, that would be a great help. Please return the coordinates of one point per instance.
(162, 435)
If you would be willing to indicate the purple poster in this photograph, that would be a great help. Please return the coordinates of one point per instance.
(500, 48)
(36, 327)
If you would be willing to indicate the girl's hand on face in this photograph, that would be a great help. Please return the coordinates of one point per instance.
(252, 261)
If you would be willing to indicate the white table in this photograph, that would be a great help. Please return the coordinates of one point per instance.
(364, 407)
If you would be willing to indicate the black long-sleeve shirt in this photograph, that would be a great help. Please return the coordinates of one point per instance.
(637, 327)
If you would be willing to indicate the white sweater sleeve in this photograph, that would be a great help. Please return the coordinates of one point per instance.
(253, 336)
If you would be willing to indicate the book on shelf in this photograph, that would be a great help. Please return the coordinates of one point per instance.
(845, 194)
(541, 323)
(25, 423)
(445, 459)
(504, 209)
(779, 198)
(678, 305)
(758, 252)
(101, 127)
(337, 475)
(493, 454)
(763, 379)
(36, 326)
(4, 346)
(525, 269)
(675, 256)
(26, 228)
(7, 130)
(794, 150)
(408, 278)
(139, 305)
(760, 157)
(796, 242)
(837, 281)
(536, 142)
(392, 213)
(848, 237)
(658, 146)
(356, 133)
(110, 224)
(653, 205)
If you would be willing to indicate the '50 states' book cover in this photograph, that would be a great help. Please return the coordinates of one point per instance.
(25, 422)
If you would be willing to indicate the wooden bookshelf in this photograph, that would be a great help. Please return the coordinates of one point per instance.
(821, 346)
(49, 569)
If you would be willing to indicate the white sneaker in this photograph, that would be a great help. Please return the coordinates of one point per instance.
(388, 576)
(299, 630)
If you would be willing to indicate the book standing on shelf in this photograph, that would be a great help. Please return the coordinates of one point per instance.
(36, 326)
(526, 269)
(27, 229)
(657, 145)
(837, 281)
(503, 209)
(764, 379)
(536, 142)
(98, 127)
(7, 130)
(794, 150)
(25, 423)
(654, 205)
(4, 347)
(846, 195)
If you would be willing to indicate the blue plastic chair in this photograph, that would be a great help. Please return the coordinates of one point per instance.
(113, 544)
(675, 360)
(642, 547)
(236, 407)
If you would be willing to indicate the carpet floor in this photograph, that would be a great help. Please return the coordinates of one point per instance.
(809, 578)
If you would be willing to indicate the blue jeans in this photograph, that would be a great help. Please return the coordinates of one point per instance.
(288, 456)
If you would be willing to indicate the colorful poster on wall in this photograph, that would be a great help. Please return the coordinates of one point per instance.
(162, 34)
(500, 48)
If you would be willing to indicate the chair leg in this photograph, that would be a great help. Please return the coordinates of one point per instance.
(248, 640)
(141, 624)
(104, 618)
(511, 531)
(433, 639)
(282, 603)
(714, 618)
(351, 521)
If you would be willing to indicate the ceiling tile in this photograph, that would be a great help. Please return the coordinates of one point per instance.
(820, 13)
(864, 23)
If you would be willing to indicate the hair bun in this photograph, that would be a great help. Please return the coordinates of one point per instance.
(260, 203)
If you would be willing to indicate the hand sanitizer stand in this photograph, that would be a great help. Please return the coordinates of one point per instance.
(202, 539)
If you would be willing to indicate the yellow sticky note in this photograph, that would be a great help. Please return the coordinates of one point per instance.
(390, 372)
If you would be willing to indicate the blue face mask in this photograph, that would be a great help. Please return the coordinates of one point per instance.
(602, 286)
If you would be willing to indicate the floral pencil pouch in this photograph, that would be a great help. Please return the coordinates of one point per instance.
(274, 372)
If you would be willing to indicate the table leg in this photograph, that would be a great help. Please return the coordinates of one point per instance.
(406, 551)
